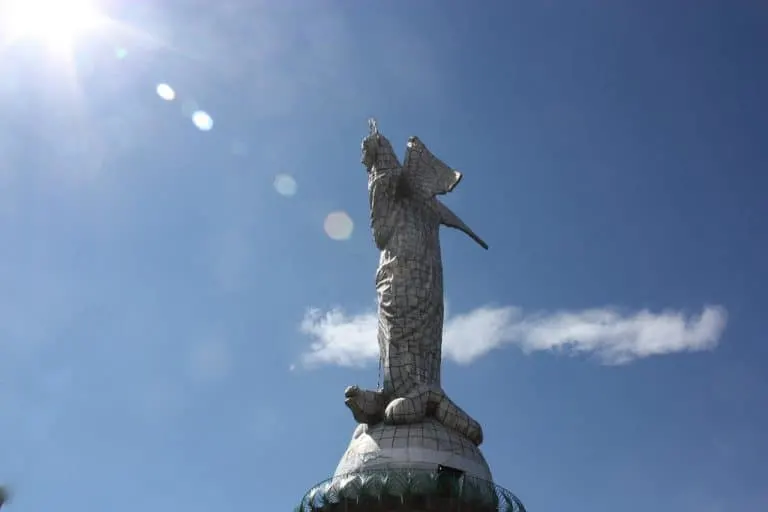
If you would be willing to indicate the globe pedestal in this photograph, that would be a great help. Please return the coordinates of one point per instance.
(418, 446)
(421, 467)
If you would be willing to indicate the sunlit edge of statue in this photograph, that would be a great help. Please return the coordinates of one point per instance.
(405, 220)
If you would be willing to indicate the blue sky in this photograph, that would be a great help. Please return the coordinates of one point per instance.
(180, 314)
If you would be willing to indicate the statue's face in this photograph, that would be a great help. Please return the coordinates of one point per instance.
(369, 149)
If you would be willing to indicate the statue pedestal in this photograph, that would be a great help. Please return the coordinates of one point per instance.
(417, 446)
(421, 467)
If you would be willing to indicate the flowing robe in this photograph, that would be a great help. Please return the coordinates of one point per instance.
(405, 219)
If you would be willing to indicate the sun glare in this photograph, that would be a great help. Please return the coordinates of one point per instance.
(56, 22)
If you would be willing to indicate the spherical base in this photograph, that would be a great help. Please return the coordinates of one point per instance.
(421, 467)
(418, 446)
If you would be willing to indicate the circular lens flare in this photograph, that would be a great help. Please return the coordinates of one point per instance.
(165, 92)
(285, 185)
(338, 226)
(202, 120)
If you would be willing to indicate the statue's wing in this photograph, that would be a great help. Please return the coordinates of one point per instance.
(450, 219)
(426, 175)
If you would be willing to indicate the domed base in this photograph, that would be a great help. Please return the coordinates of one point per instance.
(418, 446)
(422, 467)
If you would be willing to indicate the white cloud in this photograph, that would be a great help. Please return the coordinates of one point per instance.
(613, 336)
(340, 339)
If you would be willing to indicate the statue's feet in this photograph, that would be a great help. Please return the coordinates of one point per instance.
(367, 406)
(410, 408)
(425, 401)
(404, 410)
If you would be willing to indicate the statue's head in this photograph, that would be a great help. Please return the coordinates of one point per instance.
(376, 150)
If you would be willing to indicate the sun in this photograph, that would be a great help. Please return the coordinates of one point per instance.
(55, 22)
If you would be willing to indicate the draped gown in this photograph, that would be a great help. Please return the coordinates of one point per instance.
(406, 218)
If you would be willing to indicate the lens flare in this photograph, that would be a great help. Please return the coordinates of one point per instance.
(202, 120)
(338, 226)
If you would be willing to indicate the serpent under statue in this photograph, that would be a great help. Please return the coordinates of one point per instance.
(405, 219)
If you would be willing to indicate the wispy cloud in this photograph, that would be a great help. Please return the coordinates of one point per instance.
(611, 335)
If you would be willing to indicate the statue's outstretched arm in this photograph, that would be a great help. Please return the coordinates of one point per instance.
(450, 219)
